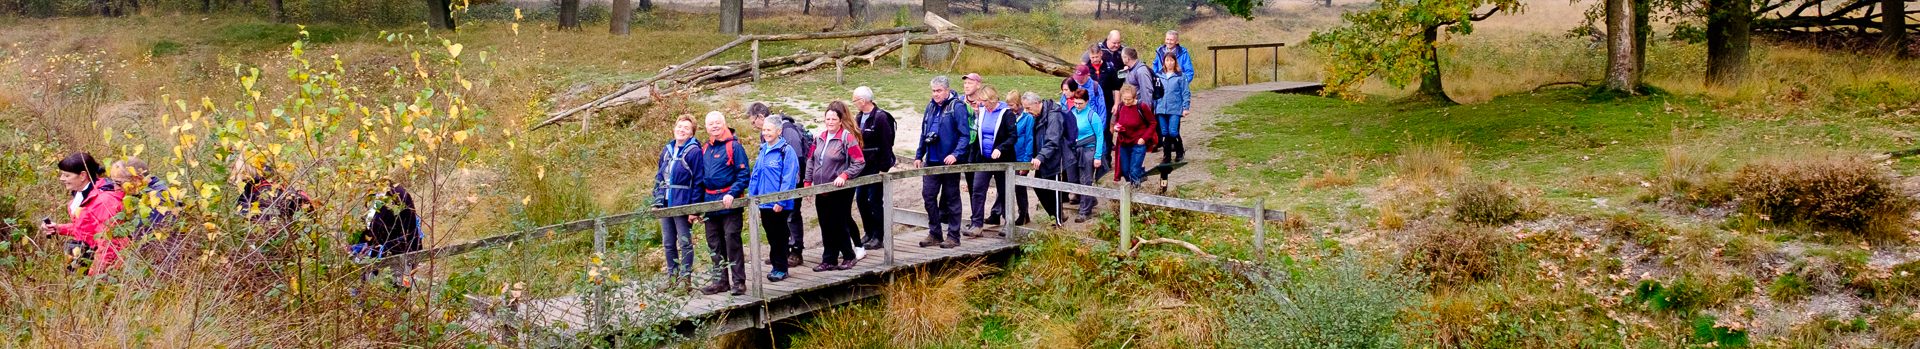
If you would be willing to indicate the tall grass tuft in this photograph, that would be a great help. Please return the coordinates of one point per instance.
(1456, 255)
(927, 307)
(1487, 202)
(1430, 162)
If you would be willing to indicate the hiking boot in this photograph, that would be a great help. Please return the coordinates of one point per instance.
(795, 260)
(849, 264)
(950, 244)
(994, 220)
(973, 232)
(713, 289)
(825, 267)
(775, 277)
(739, 289)
(1022, 221)
(874, 244)
(930, 241)
(1080, 219)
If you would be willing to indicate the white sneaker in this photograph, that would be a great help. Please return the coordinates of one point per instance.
(859, 253)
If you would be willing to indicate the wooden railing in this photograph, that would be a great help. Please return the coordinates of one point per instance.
(1127, 198)
(1246, 54)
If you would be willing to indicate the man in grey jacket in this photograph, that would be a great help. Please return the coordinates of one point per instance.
(1138, 75)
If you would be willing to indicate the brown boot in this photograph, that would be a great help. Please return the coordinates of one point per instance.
(930, 241)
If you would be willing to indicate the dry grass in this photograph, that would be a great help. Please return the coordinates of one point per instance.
(1845, 193)
(925, 307)
(1170, 322)
(1332, 177)
(1390, 216)
(1454, 255)
(1430, 163)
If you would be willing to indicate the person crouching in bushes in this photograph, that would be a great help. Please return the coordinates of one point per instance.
(132, 175)
(393, 228)
(96, 199)
(262, 198)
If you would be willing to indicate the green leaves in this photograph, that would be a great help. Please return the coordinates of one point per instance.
(1390, 42)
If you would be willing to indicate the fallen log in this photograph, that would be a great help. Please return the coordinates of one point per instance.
(688, 77)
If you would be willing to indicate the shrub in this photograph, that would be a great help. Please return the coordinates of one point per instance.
(1331, 177)
(1335, 302)
(1789, 287)
(1842, 193)
(1486, 203)
(1455, 255)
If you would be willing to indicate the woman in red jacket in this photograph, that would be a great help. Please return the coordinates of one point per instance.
(1134, 132)
(96, 199)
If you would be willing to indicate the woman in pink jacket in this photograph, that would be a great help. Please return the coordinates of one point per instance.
(96, 199)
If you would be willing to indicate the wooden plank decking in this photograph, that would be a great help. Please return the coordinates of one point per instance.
(803, 291)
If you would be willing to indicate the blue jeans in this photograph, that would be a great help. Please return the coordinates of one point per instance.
(1132, 157)
(676, 234)
(1169, 125)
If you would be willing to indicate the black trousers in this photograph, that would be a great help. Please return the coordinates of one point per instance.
(1019, 198)
(724, 249)
(1085, 174)
(871, 211)
(942, 196)
(836, 222)
(977, 191)
(775, 223)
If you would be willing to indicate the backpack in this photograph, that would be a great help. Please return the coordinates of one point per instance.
(806, 139)
(1158, 91)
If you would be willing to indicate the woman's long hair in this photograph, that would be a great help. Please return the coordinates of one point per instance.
(839, 109)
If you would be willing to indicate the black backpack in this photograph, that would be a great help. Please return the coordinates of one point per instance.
(805, 148)
(1158, 91)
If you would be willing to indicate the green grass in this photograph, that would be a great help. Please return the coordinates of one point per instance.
(1558, 140)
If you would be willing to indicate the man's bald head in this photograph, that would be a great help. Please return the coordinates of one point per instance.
(1113, 39)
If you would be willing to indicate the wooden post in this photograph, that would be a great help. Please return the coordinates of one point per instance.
(1126, 217)
(886, 210)
(1216, 67)
(756, 63)
(1260, 228)
(903, 49)
(1006, 196)
(1246, 54)
(1276, 63)
(753, 256)
(598, 313)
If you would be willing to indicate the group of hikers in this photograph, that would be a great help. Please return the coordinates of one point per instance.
(100, 196)
(1076, 138)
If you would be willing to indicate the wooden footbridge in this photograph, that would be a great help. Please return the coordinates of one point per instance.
(804, 291)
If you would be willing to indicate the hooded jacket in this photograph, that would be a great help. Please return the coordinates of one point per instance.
(877, 131)
(679, 168)
(1177, 96)
(92, 218)
(723, 171)
(1002, 138)
(1053, 135)
(943, 132)
(835, 157)
(778, 170)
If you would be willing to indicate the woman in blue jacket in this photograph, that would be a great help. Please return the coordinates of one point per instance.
(673, 185)
(776, 170)
(1174, 103)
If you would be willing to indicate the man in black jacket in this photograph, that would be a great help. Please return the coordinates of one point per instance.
(1052, 131)
(876, 133)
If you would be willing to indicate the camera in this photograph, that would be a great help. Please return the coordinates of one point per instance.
(659, 202)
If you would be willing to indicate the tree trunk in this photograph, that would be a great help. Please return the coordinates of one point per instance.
(1893, 24)
(622, 17)
(986, 6)
(806, 7)
(569, 14)
(1430, 87)
(440, 14)
(1098, 7)
(1623, 51)
(1729, 38)
(731, 15)
(930, 55)
(279, 9)
(855, 11)
(206, 6)
(645, 5)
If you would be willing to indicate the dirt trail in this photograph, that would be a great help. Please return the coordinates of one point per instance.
(1199, 128)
